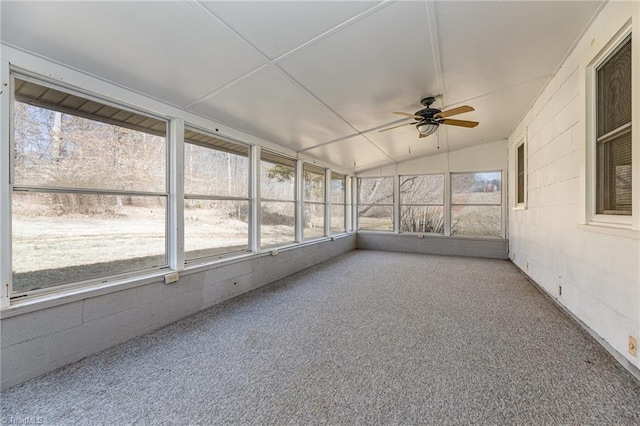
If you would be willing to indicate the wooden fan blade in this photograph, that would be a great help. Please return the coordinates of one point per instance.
(399, 125)
(454, 111)
(406, 114)
(461, 123)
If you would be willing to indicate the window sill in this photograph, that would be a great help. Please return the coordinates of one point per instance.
(616, 230)
(426, 235)
(51, 299)
(520, 207)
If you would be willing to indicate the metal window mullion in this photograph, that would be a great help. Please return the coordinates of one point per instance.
(277, 200)
(447, 204)
(327, 202)
(503, 204)
(396, 204)
(214, 197)
(65, 190)
(5, 183)
(175, 208)
(254, 193)
(299, 209)
(348, 211)
(354, 204)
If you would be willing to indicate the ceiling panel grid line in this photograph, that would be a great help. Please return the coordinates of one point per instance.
(201, 8)
(334, 30)
(275, 66)
(432, 26)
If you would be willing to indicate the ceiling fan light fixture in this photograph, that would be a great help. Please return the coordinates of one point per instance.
(427, 128)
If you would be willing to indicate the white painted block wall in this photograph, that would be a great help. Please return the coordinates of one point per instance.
(42, 340)
(598, 270)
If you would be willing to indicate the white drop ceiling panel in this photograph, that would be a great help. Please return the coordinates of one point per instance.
(276, 27)
(268, 104)
(352, 153)
(168, 50)
(486, 46)
(372, 67)
(497, 113)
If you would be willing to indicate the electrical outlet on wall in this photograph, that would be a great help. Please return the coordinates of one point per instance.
(171, 278)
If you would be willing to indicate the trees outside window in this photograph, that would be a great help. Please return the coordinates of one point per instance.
(313, 195)
(338, 202)
(375, 204)
(278, 200)
(476, 204)
(422, 203)
(89, 189)
(216, 192)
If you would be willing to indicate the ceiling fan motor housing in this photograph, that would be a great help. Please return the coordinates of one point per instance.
(428, 113)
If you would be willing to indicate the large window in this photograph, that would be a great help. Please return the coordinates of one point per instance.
(278, 201)
(375, 204)
(476, 200)
(422, 203)
(314, 202)
(216, 192)
(89, 190)
(338, 201)
(613, 142)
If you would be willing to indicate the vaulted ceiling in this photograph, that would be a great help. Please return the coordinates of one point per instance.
(318, 77)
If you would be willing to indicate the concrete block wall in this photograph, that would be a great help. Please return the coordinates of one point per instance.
(551, 240)
(434, 244)
(35, 341)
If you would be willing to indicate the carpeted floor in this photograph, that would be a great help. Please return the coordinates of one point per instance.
(369, 338)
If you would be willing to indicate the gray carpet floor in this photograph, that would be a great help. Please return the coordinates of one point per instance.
(368, 338)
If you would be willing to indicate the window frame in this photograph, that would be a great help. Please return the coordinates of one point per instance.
(314, 169)
(12, 187)
(442, 205)
(89, 87)
(501, 205)
(591, 140)
(295, 200)
(524, 172)
(210, 197)
(345, 202)
(392, 204)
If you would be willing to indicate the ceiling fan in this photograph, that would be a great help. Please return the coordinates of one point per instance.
(428, 119)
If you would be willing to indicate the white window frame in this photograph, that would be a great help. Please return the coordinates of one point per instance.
(401, 204)
(89, 86)
(394, 204)
(594, 62)
(184, 196)
(5, 191)
(521, 205)
(325, 202)
(172, 180)
(502, 206)
(259, 199)
(345, 203)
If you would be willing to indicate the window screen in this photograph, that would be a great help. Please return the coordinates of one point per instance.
(613, 152)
